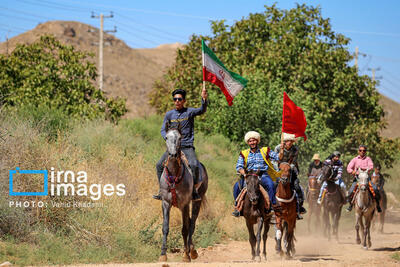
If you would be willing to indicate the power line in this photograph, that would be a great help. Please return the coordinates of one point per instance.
(372, 33)
(19, 18)
(150, 26)
(145, 11)
(26, 13)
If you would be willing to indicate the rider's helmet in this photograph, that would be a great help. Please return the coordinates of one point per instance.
(336, 153)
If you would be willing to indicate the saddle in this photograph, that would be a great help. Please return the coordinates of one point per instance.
(240, 199)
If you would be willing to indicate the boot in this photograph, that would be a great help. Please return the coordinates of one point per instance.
(195, 194)
(350, 207)
(319, 201)
(158, 196)
(298, 217)
(302, 210)
(236, 213)
(378, 207)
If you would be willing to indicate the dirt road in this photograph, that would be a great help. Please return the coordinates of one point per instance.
(311, 249)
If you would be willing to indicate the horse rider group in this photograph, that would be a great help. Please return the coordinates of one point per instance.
(362, 162)
(257, 158)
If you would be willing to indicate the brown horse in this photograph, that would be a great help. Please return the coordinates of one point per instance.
(312, 197)
(254, 211)
(286, 217)
(383, 202)
(332, 202)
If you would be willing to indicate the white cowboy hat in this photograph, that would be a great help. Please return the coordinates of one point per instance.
(289, 137)
(250, 135)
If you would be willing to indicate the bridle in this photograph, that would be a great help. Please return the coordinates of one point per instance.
(284, 181)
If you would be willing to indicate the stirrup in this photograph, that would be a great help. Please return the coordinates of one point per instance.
(319, 201)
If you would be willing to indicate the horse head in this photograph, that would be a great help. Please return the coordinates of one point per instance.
(326, 173)
(173, 140)
(285, 173)
(363, 179)
(253, 186)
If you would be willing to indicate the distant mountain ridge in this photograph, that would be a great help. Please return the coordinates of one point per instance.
(130, 73)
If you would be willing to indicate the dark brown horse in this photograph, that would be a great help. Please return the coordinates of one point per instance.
(383, 202)
(314, 210)
(254, 211)
(332, 202)
(176, 186)
(286, 217)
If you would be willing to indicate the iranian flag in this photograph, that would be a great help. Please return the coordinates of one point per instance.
(215, 72)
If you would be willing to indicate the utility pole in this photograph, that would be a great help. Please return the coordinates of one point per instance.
(102, 17)
(373, 73)
(356, 58)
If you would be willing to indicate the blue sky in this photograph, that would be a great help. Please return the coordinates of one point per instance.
(373, 26)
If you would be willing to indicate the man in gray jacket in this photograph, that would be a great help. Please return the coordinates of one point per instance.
(185, 118)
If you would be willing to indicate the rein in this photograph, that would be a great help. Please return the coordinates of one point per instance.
(173, 180)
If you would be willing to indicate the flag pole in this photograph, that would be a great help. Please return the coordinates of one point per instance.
(202, 56)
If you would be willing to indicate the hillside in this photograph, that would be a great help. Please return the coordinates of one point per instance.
(392, 115)
(128, 72)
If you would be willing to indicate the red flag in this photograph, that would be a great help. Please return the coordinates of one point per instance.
(293, 119)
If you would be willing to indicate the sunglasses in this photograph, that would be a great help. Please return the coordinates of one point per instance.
(362, 150)
(177, 98)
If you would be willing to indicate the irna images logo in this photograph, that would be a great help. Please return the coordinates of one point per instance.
(66, 183)
(12, 175)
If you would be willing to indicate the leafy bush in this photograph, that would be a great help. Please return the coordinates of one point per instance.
(48, 73)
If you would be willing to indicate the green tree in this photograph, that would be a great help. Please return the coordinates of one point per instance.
(50, 74)
(295, 51)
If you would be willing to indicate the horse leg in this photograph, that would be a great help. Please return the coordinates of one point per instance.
(363, 239)
(289, 240)
(185, 232)
(357, 227)
(311, 210)
(166, 207)
(328, 224)
(382, 219)
(265, 236)
(368, 228)
(259, 229)
(252, 238)
(195, 213)
(325, 219)
(278, 237)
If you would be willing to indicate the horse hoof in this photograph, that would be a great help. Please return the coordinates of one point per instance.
(186, 258)
(193, 254)
(358, 242)
(366, 248)
(257, 259)
(162, 258)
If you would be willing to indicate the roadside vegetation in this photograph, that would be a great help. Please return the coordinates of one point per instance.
(124, 229)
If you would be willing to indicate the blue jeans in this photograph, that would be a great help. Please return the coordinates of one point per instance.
(338, 182)
(265, 181)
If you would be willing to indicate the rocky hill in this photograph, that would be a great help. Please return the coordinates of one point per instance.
(130, 72)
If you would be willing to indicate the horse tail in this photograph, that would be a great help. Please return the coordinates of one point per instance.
(203, 204)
